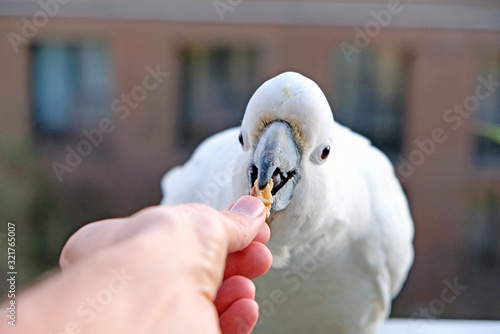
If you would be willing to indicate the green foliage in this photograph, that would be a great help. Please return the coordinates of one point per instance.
(488, 130)
(28, 199)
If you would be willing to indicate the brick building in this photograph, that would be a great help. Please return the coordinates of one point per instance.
(99, 100)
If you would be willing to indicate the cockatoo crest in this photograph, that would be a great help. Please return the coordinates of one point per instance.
(295, 99)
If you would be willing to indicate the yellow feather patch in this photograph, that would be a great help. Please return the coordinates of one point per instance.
(287, 91)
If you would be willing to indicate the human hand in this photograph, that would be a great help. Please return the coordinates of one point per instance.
(196, 263)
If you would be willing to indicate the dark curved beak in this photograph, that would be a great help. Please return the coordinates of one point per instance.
(276, 156)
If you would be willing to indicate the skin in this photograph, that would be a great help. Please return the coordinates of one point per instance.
(183, 269)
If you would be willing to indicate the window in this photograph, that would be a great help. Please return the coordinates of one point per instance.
(216, 84)
(368, 96)
(483, 231)
(71, 86)
(487, 126)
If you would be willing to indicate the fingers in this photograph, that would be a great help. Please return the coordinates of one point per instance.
(253, 261)
(231, 290)
(244, 222)
(264, 234)
(240, 317)
(219, 233)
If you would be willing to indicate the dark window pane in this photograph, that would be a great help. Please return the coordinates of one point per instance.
(71, 85)
(483, 231)
(488, 118)
(95, 81)
(216, 85)
(53, 88)
(368, 96)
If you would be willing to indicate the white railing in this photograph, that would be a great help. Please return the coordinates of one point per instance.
(427, 326)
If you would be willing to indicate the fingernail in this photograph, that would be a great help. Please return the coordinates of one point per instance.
(248, 206)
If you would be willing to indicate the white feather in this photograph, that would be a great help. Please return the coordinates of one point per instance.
(343, 246)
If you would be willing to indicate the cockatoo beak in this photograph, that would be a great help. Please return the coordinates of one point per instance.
(276, 156)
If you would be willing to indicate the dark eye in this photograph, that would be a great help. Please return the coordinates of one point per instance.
(325, 152)
(240, 138)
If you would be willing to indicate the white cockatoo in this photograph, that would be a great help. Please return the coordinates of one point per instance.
(341, 229)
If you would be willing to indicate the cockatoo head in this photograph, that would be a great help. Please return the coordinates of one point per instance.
(287, 131)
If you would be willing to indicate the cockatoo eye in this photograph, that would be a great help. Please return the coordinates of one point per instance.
(321, 153)
(240, 138)
(325, 153)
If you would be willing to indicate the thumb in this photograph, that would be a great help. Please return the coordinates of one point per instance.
(248, 223)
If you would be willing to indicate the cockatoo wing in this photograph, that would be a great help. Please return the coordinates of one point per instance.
(385, 218)
(214, 174)
(391, 213)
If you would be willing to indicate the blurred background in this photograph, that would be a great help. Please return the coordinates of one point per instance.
(90, 119)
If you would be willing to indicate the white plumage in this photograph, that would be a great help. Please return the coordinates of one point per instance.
(342, 245)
